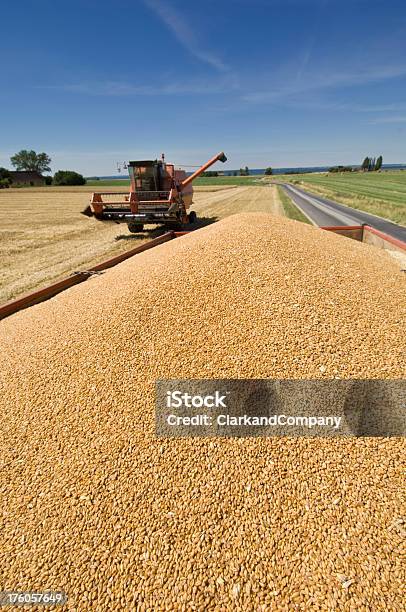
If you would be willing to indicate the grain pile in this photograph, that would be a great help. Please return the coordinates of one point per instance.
(95, 505)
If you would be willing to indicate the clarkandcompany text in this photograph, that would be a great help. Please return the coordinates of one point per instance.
(275, 420)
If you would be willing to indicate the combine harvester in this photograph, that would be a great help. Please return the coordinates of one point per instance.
(160, 194)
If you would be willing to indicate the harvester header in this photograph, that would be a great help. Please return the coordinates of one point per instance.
(159, 194)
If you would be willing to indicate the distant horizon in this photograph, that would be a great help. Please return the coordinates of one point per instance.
(278, 170)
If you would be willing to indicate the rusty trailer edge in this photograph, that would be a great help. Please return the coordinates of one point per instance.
(41, 295)
(350, 228)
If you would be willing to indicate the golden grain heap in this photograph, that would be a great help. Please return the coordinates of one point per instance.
(93, 504)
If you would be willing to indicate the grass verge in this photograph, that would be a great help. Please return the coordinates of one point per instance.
(291, 210)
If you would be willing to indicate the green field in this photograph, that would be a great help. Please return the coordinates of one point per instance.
(379, 193)
(205, 180)
(108, 183)
(256, 180)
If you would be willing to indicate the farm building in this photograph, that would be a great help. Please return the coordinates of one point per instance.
(27, 178)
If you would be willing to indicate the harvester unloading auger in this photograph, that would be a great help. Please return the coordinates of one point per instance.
(160, 194)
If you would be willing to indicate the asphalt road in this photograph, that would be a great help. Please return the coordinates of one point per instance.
(327, 212)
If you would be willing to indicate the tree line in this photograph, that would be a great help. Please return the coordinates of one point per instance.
(241, 172)
(370, 164)
(30, 161)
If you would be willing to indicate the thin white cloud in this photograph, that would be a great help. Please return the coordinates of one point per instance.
(390, 119)
(185, 33)
(112, 88)
(314, 103)
(317, 80)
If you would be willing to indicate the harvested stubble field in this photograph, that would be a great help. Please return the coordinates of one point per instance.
(236, 200)
(94, 504)
(43, 236)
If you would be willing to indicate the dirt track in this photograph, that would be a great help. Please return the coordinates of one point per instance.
(44, 237)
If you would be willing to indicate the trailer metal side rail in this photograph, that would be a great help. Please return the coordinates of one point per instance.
(358, 233)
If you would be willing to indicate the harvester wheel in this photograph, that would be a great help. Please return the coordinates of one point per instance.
(134, 228)
(192, 216)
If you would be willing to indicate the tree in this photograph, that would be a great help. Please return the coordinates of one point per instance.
(68, 177)
(4, 173)
(340, 169)
(268, 171)
(247, 172)
(210, 173)
(5, 178)
(365, 164)
(31, 161)
(378, 163)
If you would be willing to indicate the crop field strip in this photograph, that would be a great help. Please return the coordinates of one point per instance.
(238, 199)
(390, 190)
(254, 179)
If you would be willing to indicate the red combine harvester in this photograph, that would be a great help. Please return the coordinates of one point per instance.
(160, 194)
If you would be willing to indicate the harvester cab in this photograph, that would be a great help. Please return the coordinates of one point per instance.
(159, 194)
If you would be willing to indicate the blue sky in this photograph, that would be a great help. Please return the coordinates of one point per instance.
(270, 82)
